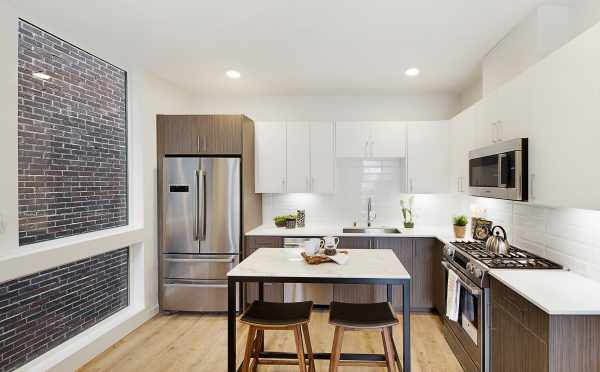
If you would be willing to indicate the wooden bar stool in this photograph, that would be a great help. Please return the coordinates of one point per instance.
(269, 316)
(363, 317)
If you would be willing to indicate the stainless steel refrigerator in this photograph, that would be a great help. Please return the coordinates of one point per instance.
(202, 237)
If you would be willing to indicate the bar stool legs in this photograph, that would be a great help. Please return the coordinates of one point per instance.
(336, 349)
(311, 358)
(256, 337)
(388, 350)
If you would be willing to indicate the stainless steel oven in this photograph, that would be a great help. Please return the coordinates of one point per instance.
(500, 170)
(469, 335)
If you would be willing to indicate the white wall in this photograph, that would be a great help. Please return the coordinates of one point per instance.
(472, 93)
(147, 96)
(546, 29)
(350, 108)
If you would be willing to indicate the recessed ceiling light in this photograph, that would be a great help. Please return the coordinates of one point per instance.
(233, 74)
(41, 75)
(412, 72)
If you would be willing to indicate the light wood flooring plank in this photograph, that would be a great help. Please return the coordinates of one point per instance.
(196, 342)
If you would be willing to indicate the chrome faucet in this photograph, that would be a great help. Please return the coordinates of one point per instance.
(370, 214)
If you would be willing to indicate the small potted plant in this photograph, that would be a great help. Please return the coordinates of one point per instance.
(460, 225)
(280, 221)
(407, 212)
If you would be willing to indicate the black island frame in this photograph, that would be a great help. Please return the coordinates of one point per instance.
(231, 316)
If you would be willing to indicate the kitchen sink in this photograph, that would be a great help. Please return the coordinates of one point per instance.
(371, 230)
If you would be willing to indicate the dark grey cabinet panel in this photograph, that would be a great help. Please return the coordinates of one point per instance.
(273, 292)
(355, 293)
(526, 339)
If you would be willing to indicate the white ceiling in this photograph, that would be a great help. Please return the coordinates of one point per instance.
(294, 47)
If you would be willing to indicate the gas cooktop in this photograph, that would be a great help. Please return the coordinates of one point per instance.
(515, 258)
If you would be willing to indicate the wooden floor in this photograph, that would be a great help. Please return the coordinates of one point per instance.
(191, 342)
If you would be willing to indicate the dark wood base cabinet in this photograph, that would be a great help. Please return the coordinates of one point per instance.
(526, 339)
(420, 256)
(273, 292)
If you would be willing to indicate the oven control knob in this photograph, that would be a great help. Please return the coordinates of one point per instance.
(474, 270)
(448, 251)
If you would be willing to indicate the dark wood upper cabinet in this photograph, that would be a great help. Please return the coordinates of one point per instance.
(200, 134)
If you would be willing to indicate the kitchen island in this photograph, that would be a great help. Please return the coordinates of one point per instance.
(364, 266)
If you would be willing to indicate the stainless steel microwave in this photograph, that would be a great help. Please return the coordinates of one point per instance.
(500, 170)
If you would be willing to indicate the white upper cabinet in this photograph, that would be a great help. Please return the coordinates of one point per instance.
(507, 112)
(270, 157)
(352, 139)
(466, 133)
(370, 139)
(322, 157)
(388, 140)
(427, 154)
(566, 126)
(297, 155)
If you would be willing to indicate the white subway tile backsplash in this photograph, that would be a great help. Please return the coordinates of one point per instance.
(570, 237)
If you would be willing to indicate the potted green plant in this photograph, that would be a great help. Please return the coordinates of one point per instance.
(407, 212)
(282, 221)
(460, 226)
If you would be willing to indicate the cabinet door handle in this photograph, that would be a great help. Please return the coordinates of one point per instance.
(411, 185)
(197, 143)
(367, 149)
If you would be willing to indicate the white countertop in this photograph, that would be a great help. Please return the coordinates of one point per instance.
(361, 264)
(443, 233)
(557, 292)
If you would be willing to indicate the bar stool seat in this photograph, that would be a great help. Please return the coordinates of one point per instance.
(276, 313)
(262, 316)
(377, 315)
(363, 317)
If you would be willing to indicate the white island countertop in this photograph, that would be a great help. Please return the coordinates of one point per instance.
(557, 292)
(361, 264)
(443, 233)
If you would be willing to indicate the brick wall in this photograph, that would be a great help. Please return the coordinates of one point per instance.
(72, 140)
(40, 311)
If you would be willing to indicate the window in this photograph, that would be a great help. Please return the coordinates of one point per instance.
(72, 129)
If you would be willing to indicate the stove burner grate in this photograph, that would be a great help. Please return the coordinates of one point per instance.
(515, 258)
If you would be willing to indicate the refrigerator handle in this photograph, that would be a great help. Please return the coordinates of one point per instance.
(196, 206)
(201, 225)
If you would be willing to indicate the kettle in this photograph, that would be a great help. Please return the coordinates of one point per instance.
(495, 243)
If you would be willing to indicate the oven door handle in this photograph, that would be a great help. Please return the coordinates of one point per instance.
(472, 290)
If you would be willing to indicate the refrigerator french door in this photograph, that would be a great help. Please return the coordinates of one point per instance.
(202, 222)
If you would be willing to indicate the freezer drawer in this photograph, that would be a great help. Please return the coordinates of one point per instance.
(194, 295)
(198, 267)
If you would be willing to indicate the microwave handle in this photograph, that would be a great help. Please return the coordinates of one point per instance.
(501, 160)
